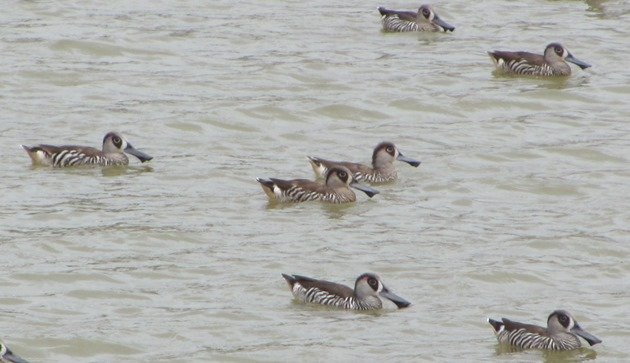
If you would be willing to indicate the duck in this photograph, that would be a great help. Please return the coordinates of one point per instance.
(561, 333)
(367, 293)
(553, 62)
(426, 19)
(113, 153)
(336, 188)
(381, 171)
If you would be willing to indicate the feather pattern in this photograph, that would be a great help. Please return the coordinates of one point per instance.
(113, 153)
(365, 296)
(359, 172)
(524, 339)
(63, 156)
(552, 63)
(335, 190)
(316, 295)
(409, 21)
(561, 333)
(396, 24)
(518, 64)
(381, 171)
(302, 190)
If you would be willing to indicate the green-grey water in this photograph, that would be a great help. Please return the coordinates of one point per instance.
(520, 206)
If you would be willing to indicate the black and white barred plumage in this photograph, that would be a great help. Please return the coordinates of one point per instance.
(75, 157)
(377, 177)
(395, 24)
(523, 67)
(409, 21)
(551, 63)
(299, 194)
(322, 297)
(113, 153)
(366, 295)
(381, 171)
(561, 333)
(369, 175)
(335, 190)
(523, 339)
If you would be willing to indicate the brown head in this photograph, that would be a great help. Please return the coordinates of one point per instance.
(386, 152)
(556, 53)
(428, 15)
(561, 321)
(114, 142)
(341, 177)
(370, 285)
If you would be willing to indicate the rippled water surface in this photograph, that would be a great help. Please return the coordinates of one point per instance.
(521, 204)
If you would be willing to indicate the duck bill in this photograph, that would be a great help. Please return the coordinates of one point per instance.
(365, 189)
(407, 160)
(10, 357)
(444, 25)
(577, 62)
(590, 338)
(137, 153)
(399, 301)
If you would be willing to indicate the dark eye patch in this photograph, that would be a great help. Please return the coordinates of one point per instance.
(564, 320)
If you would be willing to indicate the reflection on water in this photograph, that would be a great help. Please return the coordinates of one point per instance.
(124, 170)
(338, 211)
(578, 355)
(550, 356)
(543, 82)
(331, 210)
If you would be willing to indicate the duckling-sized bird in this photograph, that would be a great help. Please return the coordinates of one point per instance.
(409, 21)
(114, 148)
(551, 63)
(381, 171)
(335, 190)
(561, 333)
(367, 293)
(7, 356)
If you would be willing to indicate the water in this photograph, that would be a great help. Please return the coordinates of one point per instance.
(520, 205)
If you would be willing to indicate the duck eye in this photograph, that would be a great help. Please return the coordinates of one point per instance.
(426, 12)
(116, 140)
(372, 282)
(559, 50)
(342, 174)
(390, 149)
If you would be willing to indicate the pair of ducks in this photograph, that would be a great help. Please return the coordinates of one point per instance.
(339, 177)
(550, 63)
(562, 332)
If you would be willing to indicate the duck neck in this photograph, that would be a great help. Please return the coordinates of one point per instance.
(368, 303)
